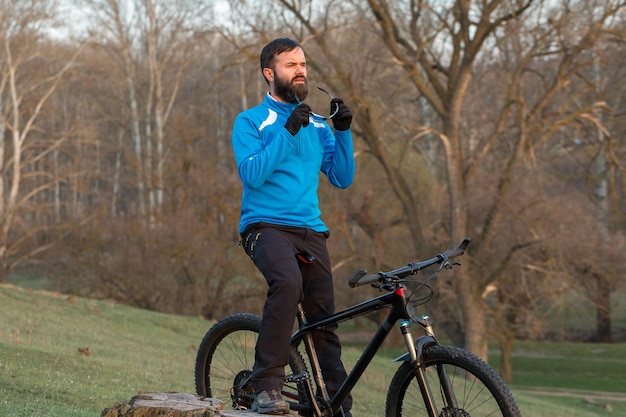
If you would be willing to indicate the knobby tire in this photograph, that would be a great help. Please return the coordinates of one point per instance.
(479, 390)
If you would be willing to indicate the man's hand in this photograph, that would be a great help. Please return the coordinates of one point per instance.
(299, 117)
(343, 119)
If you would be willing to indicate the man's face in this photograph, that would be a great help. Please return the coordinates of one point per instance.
(289, 76)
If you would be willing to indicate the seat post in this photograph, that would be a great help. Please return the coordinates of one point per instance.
(301, 316)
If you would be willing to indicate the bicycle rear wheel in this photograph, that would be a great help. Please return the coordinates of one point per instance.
(479, 390)
(225, 359)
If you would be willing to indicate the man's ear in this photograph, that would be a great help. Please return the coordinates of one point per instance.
(269, 74)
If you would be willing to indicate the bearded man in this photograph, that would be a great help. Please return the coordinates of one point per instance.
(280, 148)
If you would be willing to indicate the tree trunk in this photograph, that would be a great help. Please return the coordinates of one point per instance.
(170, 404)
(603, 310)
(506, 369)
(474, 315)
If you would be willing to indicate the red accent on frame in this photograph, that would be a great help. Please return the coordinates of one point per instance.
(400, 291)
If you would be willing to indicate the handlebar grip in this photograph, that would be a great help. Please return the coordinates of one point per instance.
(361, 278)
(354, 281)
(458, 251)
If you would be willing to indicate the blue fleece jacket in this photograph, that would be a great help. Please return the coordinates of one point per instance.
(280, 172)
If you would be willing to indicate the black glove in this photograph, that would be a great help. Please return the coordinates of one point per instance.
(343, 119)
(299, 117)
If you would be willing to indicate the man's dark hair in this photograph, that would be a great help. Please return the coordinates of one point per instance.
(276, 47)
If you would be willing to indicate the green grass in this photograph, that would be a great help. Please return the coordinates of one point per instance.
(569, 379)
(44, 373)
(577, 366)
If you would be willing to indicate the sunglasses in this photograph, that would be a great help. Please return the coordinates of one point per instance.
(319, 115)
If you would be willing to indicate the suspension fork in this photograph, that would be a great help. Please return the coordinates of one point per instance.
(429, 403)
(419, 370)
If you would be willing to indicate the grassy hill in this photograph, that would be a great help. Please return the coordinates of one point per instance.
(64, 356)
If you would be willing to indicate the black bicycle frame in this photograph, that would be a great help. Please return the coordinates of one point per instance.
(399, 311)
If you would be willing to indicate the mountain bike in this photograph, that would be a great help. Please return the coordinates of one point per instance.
(432, 379)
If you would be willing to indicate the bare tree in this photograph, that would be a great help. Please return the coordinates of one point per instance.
(150, 41)
(560, 104)
(605, 168)
(187, 263)
(31, 70)
(439, 49)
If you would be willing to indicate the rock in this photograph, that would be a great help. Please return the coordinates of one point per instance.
(165, 404)
(173, 404)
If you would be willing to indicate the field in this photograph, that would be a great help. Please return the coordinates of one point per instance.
(63, 356)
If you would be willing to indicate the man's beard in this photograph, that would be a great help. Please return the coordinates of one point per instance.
(288, 91)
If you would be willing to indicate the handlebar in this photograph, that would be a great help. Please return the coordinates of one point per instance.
(362, 278)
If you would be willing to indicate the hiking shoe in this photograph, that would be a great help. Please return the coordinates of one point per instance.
(270, 402)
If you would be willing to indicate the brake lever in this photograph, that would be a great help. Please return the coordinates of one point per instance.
(449, 265)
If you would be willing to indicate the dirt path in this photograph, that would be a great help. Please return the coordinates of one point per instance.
(590, 396)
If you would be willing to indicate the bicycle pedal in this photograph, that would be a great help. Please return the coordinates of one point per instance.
(299, 377)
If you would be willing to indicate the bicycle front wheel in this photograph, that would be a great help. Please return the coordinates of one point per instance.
(225, 359)
(478, 389)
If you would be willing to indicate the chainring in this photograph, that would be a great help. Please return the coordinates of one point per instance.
(242, 392)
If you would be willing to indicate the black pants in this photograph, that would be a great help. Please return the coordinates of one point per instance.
(273, 250)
